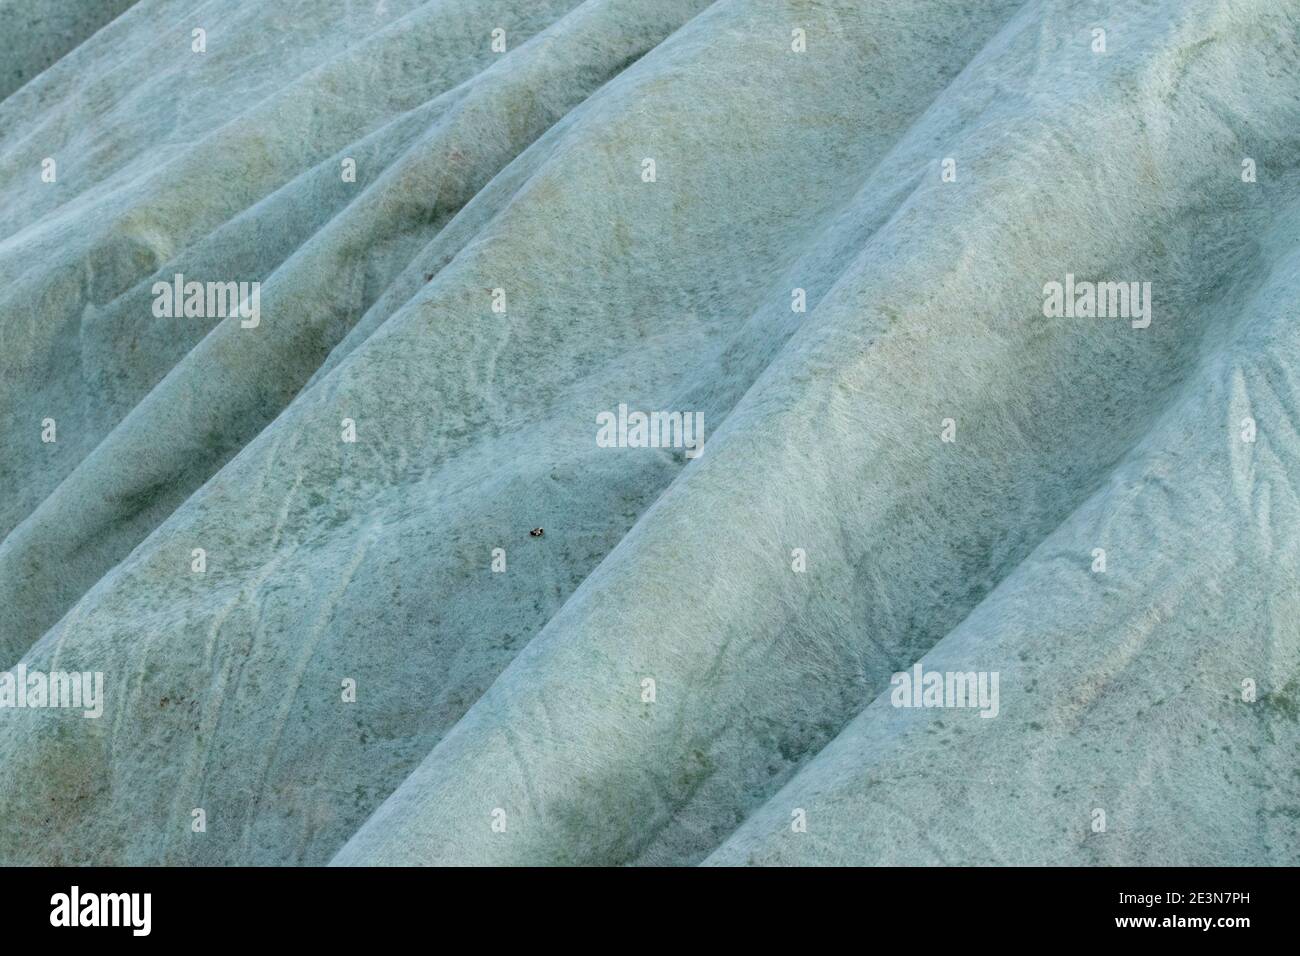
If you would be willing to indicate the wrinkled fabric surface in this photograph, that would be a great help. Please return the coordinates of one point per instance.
(941, 458)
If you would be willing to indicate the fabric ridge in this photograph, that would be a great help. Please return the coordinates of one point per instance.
(616, 432)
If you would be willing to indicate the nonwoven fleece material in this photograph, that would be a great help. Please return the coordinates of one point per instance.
(983, 316)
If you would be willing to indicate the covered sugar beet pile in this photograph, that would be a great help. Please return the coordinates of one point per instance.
(907, 391)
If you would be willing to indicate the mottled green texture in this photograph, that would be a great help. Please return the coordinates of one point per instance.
(522, 690)
(36, 33)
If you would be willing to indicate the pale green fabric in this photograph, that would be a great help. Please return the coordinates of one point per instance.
(501, 716)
